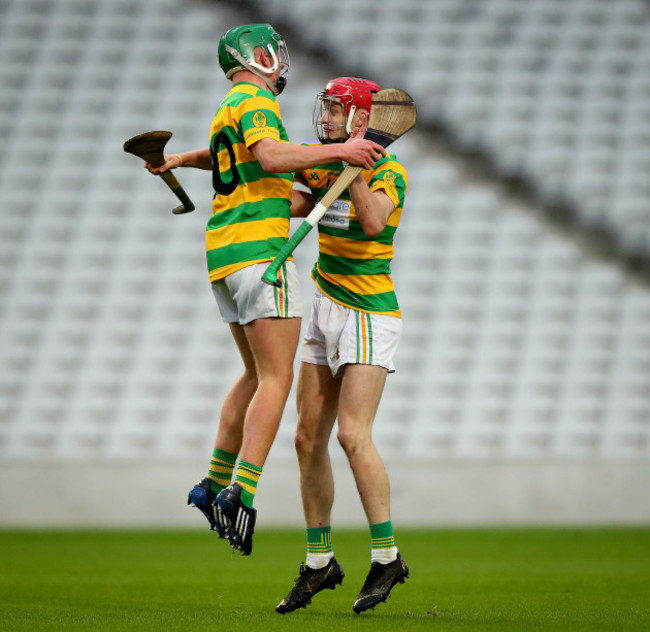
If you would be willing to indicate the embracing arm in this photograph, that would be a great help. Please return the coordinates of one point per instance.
(275, 156)
(198, 158)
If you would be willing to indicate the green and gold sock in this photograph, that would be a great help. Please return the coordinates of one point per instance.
(221, 469)
(247, 476)
(382, 542)
(319, 546)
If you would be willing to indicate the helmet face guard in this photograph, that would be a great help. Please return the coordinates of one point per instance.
(352, 94)
(237, 52)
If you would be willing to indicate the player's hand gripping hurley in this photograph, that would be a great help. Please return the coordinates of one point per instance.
(149, 146)
(393, 113)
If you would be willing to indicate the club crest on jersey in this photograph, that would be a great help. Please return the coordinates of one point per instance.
(337, 216)
(259, 119)
(389, 180)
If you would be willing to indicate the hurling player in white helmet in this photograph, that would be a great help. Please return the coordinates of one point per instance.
(252, 164)
(348, 347)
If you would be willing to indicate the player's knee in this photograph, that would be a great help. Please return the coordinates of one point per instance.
(352, 441)
(283, 378)
(278, 382)
(307, 444)
(304, 443)
(249, 380)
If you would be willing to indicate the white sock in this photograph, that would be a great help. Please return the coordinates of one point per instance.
(383, 556)
(319, 560)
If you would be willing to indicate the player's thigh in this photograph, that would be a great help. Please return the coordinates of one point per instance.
(273, 343)
(361, 389)
(239, 335)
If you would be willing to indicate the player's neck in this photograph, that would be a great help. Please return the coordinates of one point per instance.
(249, 77)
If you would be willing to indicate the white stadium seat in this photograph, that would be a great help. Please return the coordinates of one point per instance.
(518, 343)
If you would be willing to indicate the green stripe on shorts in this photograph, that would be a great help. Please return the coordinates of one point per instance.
(358, 339)
(286, 289)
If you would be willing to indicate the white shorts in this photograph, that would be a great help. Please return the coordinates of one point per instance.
(243, 297)
(337, 335)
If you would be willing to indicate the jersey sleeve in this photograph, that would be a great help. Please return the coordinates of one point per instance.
(390, 176)
(260, 118)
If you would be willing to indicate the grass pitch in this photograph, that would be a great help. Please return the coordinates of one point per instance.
(467, 579)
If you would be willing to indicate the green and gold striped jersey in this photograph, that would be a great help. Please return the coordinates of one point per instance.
(251, 208)
(352, 268)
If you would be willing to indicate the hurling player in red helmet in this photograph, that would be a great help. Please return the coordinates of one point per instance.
(348, 348)
(341, 106)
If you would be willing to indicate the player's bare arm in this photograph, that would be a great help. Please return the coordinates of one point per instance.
(373, 207)
(275, 156)
(301, 203)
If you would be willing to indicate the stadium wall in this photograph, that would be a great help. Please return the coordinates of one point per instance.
(423, 494)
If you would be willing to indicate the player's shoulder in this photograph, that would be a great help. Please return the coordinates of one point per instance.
(249, 95)
(390, 158)
(390, 161)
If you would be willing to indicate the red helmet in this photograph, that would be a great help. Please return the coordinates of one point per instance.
(352, 93)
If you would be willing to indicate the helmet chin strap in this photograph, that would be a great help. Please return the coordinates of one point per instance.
(348, 123)
(275, 88)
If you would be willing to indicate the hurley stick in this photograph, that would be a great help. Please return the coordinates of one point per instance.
(392, 114)
(149, 146)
